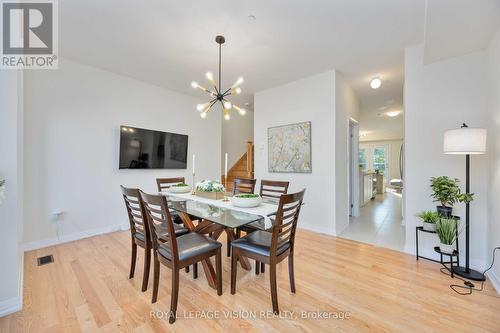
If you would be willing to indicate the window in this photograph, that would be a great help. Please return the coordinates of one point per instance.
(362, 159)
(380, 159)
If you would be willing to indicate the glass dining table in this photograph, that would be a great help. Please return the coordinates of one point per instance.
(213, 220)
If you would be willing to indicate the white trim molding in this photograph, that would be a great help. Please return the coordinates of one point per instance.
(14, 304)
(39, 244)
(10, 305)
(495, 281)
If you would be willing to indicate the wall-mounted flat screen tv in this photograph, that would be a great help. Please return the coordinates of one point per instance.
(146, 149)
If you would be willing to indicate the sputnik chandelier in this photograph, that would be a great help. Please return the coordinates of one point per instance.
(219, 95)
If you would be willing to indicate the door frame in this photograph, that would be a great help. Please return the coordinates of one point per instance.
(353, 167)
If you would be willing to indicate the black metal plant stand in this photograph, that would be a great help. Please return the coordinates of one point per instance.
(447, 270)
(418, 256)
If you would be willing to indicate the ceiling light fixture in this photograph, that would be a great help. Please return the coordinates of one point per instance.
(375, 83)
(219, 95)
(392, 113)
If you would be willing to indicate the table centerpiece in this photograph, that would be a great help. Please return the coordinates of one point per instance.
(211, 189)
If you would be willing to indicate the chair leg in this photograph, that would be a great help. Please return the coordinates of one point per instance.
(147, 264)
(195, 270)
(274, 291)
(228, 247)
(234, 267)
(262, 267)
(238, 233)
(174, 295)
(218, 271)
(291, 273)
(132, 262)
(257, 267)
(156, 279)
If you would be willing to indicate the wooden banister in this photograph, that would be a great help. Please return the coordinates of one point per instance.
(250, 165)
(243, 168)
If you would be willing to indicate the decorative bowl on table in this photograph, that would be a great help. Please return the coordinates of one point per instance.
(246, 200)
(179, 188)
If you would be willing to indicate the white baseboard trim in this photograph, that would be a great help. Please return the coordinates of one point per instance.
(495, 281)
(39, 244)
(316, 229)
(10, 305)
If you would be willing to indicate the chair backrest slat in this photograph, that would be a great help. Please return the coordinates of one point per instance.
(243, 185)
(135, 211)
(285, 224)
(165, 183)
(160, 223)
(272, 189)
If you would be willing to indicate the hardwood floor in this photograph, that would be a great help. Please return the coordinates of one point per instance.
(87, 289)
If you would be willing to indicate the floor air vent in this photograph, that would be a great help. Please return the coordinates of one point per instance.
(45, 260)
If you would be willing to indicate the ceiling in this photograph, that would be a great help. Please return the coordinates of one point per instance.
(272, 42)
(171, 43)
(458, 27)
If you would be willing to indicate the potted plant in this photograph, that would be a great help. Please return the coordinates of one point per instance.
(246, 200)
(179, 188)
(429, 219)
(446, 228)
(447, 192)
(211, 189)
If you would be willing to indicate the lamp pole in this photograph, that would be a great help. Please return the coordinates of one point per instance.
(466, 272)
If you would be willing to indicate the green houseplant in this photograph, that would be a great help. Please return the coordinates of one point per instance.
(446, 229)
(429, 219)
(446, 191)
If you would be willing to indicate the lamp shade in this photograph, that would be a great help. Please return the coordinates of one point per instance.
(465, 141)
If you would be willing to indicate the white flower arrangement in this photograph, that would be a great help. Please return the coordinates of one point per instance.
(210, 186)
(2, 191)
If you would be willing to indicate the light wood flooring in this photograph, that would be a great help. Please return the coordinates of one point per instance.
(87, 289)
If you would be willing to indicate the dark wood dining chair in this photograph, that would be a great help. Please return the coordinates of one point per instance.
(139, 231)
(271, 191)
(176, 252)
(272, 247)
(241, 186)
(166, 183)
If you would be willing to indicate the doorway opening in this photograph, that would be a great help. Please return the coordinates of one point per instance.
(376, 183)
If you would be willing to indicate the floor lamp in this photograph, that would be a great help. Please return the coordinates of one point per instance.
(466, 141)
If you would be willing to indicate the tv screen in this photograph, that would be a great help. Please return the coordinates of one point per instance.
(146, 149)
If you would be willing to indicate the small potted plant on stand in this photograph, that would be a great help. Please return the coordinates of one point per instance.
(429, 219)
(446, 229)
(446, 191)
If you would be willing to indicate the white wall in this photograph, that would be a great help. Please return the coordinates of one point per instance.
(346, 107)
(72, 119)
(394, 147)
(494, 152)
(309, 99)
(438, 97)
(11, 210)
(236, 132)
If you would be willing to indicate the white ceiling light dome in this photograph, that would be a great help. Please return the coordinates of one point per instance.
(375, 83)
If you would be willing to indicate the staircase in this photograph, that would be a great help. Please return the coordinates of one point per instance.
(243, 168)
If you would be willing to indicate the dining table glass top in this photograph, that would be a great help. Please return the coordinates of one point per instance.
(226, 217)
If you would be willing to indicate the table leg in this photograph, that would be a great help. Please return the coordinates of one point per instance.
(208, 268)
(245, 264)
